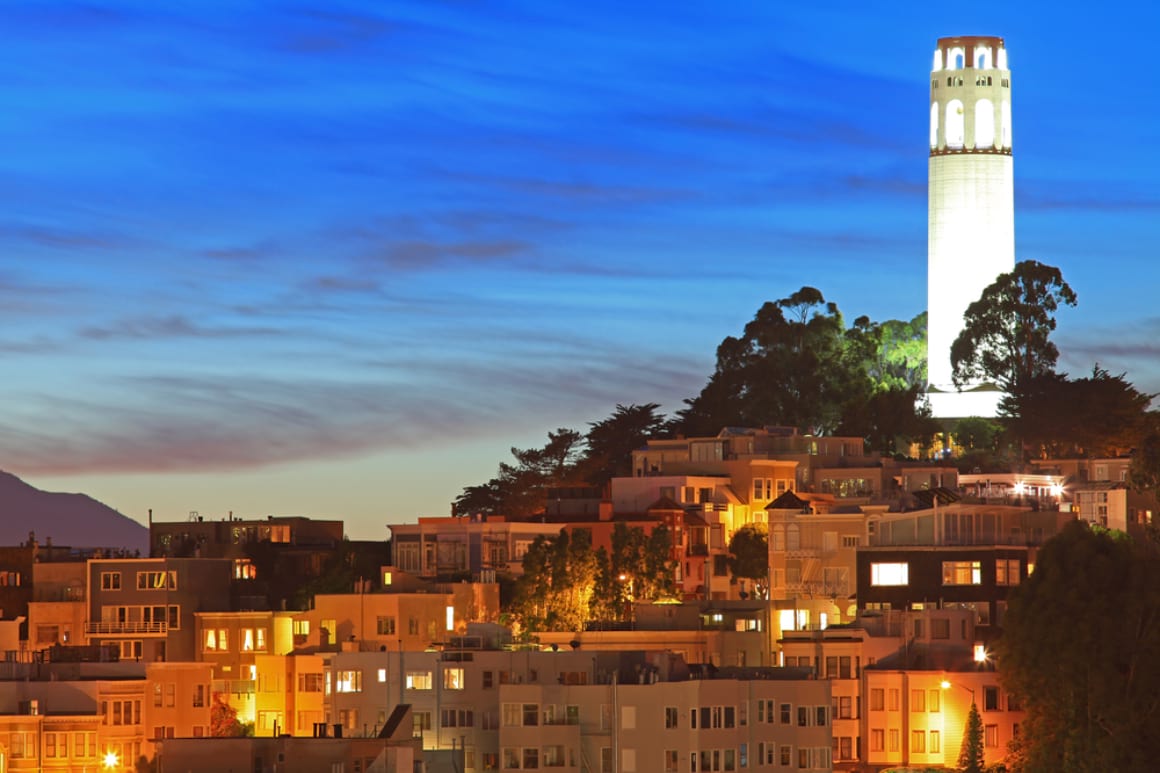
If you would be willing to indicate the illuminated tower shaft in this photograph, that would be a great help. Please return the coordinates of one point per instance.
(971, 226)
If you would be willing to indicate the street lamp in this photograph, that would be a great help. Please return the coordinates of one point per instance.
(110, 760)
(946, 685)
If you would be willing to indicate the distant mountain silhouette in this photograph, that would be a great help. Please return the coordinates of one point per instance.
(73, 520)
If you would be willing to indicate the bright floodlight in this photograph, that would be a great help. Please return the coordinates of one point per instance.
(110, 760)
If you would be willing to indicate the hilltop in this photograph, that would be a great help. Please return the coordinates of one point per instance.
(75, 520)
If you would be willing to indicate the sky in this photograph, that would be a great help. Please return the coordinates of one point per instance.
(335, 259)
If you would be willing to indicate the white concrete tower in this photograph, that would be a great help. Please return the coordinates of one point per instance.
(971, 206)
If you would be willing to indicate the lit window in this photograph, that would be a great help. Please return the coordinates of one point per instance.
(348, 681)
(962, 573)
(382, 674)
(418, 680)
(453, 679)
(890, 573)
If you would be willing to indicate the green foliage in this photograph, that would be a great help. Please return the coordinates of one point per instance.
(1006, 333)
(567, 459)
(1144, 473)
(975, 433)
(971, 759)
(609, 443)
(567, 584)
(749, 555)
(1080, 646)
(520, 489)
(1101, 415)
(797, 365)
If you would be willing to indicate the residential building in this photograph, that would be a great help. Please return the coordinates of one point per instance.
(471, 546)
(145, 607)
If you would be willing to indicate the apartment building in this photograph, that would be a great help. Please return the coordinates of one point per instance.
(471, 545)
(146, 607)
(583, 711)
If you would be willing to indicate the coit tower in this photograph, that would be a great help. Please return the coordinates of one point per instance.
(971, 206)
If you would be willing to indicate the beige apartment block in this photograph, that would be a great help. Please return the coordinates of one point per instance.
(917, 718)
(409, 621)
(179, 700)
(736, 720)
(288, 697)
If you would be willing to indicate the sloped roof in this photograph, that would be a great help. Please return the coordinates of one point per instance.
(664, 503)
(788, 501)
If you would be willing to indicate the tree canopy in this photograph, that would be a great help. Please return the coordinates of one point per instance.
(796, 364)
(1006, 333)
(1098, 415)
(749, 556)
(566, 583)
(1080, 644)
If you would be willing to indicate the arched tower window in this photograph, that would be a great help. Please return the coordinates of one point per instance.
(955, 59)
(934, 125)
(1001, 59)
(984, 124)
(983, 60)
(954, 124)
(937, 60)
(1005, 116)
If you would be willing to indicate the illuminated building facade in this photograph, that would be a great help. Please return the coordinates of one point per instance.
(971, 206)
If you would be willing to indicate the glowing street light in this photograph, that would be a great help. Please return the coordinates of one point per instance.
(110, 760)
(947, 684)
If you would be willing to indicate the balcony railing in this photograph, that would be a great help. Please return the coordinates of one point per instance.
(120, 628)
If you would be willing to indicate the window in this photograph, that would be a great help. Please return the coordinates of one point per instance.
(421, 721)
(110, 581)
(890, 574)
(670, 717)
(457, 718)
(918, 700)
(933, 701)
(918, 741)
(820, 716)
(199, 696)
(894, 737)
(531, 758)
(531, 714)
(348, 681)
(310, 682)
(850, 540)
(488, 680)
(216, 640)
(785, 712)
(935, 742)
(418, 680)
(157, 580)
(170, 694)
(385, 626)
(940, 628)
(991, 736)
(876, 699)
(1007, 571)
(990, 699)
(803, 716)
(453, 679)
(877, 740)
(962, 573)
(670, 761)
(301, 627)
(763, 488)
(844, 707)
(786, 754)
(893, 696)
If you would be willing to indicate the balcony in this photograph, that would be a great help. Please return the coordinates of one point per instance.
(126, 627)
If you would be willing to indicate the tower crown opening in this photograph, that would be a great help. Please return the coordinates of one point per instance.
(978, 52)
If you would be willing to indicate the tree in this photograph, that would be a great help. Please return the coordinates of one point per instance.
(749, 556)
(1006, 333)
(1079, 647)
(223, 719)
(610, 442)
(1100, 415)
(971, 759)
(1144, 472)
(794, 365)
(520, 489)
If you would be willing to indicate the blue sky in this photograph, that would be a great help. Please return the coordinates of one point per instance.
(334, 259)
